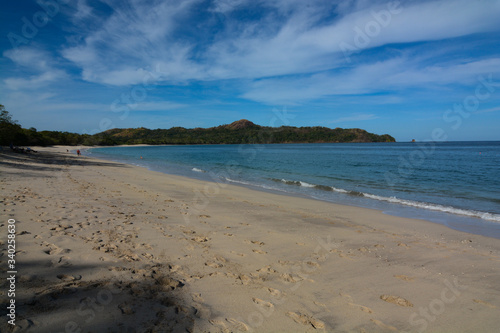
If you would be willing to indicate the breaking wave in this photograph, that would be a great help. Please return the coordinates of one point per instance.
(411, 203)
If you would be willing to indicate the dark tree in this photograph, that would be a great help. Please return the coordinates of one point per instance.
(10, 130)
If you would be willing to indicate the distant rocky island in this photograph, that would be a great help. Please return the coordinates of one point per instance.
(239, 132)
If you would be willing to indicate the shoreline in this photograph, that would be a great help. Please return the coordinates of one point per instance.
(464, 223)
(160, 255)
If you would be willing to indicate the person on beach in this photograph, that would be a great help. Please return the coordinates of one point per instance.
(78, 152)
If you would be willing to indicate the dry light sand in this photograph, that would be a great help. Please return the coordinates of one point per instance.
(107, 247)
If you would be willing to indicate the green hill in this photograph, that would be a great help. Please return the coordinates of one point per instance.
(238, 132)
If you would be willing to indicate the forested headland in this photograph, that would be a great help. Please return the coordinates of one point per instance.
(238, 132)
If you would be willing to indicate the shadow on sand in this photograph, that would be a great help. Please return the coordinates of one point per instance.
(70, 298)
(48, 161)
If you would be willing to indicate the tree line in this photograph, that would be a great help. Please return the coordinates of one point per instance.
(238, 132)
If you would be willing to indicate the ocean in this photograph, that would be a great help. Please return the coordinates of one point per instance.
(452, 183)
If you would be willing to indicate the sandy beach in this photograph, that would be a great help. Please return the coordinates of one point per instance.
(108, 247)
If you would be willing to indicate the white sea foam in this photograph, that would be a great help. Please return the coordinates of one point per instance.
(436, 207)
(340, 190)
(404, 202)
(238, 181)
(197, 170)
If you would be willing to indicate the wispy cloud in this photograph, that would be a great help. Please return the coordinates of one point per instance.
(35, 81)
(289, 39)
(392, 75)
(37, 66)
(132, 41)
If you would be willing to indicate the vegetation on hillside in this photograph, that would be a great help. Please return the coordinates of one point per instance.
(12, 132)
(242, 131)
(238, 132)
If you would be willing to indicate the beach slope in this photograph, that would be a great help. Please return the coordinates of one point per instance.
(108, 247)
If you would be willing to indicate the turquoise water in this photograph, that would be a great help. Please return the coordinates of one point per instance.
(453, 183)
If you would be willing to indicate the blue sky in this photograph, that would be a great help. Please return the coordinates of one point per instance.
(427, 69)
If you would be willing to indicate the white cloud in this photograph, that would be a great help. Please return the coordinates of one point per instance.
(466, 73)
(29, 57)
(289, 38)
(225, 6)
(392, 75)
(83, 10)
(35, 81)
(132, 41)
(38, 63)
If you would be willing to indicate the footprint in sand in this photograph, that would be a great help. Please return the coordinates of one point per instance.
(259, 251)
(202, 312)
(65, 277)
(126, 309)
(274, 292)
(53, 249)
(197, 298)
(244, 279)
(235, 325)
(266, 269)
(306, 320)
(290, 278)
(220, 323)
(362, 307)
(253, 242)
(319, 304)
(262, 303)
(200, 239)
(62, 262)
(384, 326)
(396, 300)
(312, 264)
(213, 264)
(484, 303)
